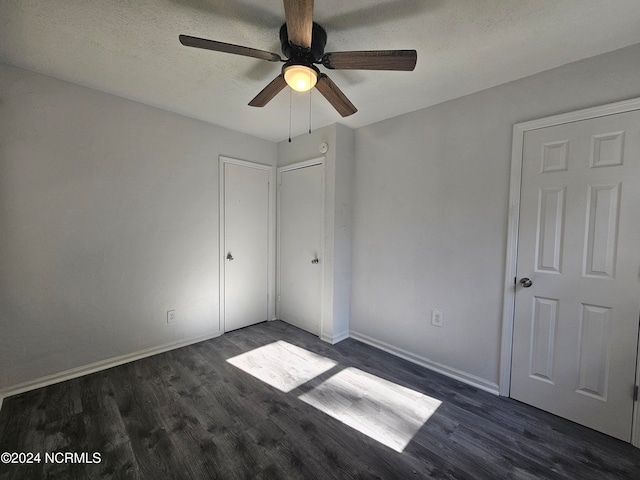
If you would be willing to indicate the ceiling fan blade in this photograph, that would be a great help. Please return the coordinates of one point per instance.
(298, 15)
(403, 60)
(334, 95)
(205, 44)
(268, 92)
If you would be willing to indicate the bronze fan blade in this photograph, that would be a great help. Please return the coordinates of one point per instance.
(268, 92)
(196, 42)
(298, 15)
(334, 95)
(403, 60)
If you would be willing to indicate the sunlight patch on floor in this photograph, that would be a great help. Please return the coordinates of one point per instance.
(282, 365)
(387, 412)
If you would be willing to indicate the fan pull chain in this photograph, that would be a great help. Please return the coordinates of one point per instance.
(310, 103)
(309, 112)
(290, 95)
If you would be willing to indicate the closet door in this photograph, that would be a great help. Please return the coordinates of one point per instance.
(300, 263)
(245, 243)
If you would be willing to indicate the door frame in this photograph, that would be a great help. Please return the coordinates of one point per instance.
(271, 238)
(508, 311)
(295, 166)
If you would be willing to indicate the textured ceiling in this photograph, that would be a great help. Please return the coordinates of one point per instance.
(130, 48)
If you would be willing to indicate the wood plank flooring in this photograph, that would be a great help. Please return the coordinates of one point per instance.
(189, 414)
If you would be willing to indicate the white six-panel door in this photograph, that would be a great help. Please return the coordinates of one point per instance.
(245, 216)
(300, 262)
(577, 305)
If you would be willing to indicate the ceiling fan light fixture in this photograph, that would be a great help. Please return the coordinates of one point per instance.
(300, 77)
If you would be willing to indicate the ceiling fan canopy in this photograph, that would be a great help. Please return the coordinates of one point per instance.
(303, 42)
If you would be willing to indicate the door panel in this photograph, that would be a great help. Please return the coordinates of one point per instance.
(246, 239)
(576, 327)
(299, 240)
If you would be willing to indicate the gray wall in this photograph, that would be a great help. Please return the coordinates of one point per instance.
(430, 211)
(108, 218)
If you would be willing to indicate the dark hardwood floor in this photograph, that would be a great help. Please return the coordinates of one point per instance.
(189, 414)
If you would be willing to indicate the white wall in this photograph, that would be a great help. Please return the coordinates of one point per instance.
(108, 218)
(430, 213)
(342, 204)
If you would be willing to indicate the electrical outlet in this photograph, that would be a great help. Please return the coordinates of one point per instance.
(171, 316)
(437, 317)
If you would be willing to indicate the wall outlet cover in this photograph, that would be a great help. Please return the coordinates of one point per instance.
(437, 317)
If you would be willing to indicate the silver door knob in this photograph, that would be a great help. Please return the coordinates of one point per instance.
(315, 261)
(229, 256)
(526, 282)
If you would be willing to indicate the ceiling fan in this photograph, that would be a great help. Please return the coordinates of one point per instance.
(303, 43)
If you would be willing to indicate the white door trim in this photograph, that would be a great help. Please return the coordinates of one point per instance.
(519, 130)
(270, 247)
(280, 170)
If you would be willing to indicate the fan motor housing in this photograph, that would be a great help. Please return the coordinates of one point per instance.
(303, 55)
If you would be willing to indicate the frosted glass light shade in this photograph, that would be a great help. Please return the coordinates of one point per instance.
(300, 78)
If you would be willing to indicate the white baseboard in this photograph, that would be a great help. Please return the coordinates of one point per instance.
(130, 357)
(98, 366)
(333, 339)
(454, 373)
